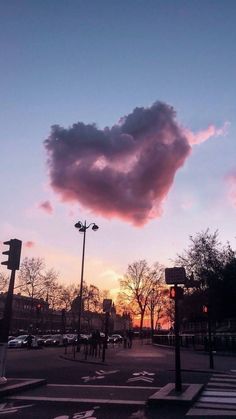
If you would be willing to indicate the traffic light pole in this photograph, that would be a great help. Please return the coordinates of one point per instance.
(13, 264)
(211, 359)
(5, 327)
(178, 383)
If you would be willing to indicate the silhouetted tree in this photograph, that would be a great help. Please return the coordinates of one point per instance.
(31, 279)
(214, 269)
(3, 282)
(137, 284)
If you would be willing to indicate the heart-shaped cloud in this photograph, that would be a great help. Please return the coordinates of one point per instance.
(125, 171)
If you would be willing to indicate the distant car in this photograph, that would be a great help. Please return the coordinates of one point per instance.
(40, 341)
(115, 338)
(53, 340)
(69, 338)
(57, 340)
(47, 340)
(84, 338)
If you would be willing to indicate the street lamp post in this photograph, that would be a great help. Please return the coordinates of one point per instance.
(152, 306)
(82, 229)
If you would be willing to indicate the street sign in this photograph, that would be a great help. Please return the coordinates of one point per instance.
(174, 276)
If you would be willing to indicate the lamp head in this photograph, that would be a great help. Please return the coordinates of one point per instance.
(78, 225)
(95, 227)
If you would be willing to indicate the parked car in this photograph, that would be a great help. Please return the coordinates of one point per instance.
(21, 342)
(115, 338)
(57, 340)
(53, 340)
(69, 338)
(47, 340)
(84, 338)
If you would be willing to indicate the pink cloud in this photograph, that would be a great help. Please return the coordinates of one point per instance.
(125, 171)
(204, 135)
(46, 207)
(29, 244)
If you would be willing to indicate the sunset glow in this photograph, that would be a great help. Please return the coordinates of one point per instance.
(121, 114)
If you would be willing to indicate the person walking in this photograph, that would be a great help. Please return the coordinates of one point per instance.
(29, 341)
(130, 339)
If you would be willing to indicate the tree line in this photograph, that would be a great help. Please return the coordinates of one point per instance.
(211, 281)
(36, 281)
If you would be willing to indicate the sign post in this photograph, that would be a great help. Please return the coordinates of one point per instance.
(175, 276)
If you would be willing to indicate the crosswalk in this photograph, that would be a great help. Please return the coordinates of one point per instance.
(218, 397)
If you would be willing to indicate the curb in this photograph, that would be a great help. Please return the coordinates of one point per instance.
(168, 395)
(83, 361)
(14, 385)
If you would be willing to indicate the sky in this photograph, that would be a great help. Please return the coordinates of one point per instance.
(120, 113)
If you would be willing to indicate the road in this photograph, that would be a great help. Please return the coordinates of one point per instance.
(118, 388)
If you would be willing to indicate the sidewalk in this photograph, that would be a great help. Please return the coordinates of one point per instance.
(70, 353)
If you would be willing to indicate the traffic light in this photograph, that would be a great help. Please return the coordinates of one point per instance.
(172, 292)
(13, 254)
(176, 292)
(205, 309)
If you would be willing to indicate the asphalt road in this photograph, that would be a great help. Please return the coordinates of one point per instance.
(118, 388)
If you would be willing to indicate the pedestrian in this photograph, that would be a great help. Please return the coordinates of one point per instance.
(130, 339)
(125, 339)
(29, 341)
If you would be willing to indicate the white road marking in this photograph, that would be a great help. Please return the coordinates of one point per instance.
(228, 380)
(141, 376)
(146, 379)
(9, 408)
(100, 374)
(219, 393)
(81, 400)
(210, 412)
(143, 373)
(62, 417)
(221, 385)
(102, 386)
(220, 401)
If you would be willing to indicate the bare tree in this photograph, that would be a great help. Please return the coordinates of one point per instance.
(92, 300)
(52, 289)
(68, 295)
(158, 302)
(3, 282)
(31, 279)
(137, 285)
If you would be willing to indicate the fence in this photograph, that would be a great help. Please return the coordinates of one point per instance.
(220, 342)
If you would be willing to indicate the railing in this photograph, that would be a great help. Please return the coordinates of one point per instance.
(220, 342)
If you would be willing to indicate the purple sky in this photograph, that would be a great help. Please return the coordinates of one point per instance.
(105, 75)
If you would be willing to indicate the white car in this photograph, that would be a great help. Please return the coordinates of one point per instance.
(115, 338)
(21, 342)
